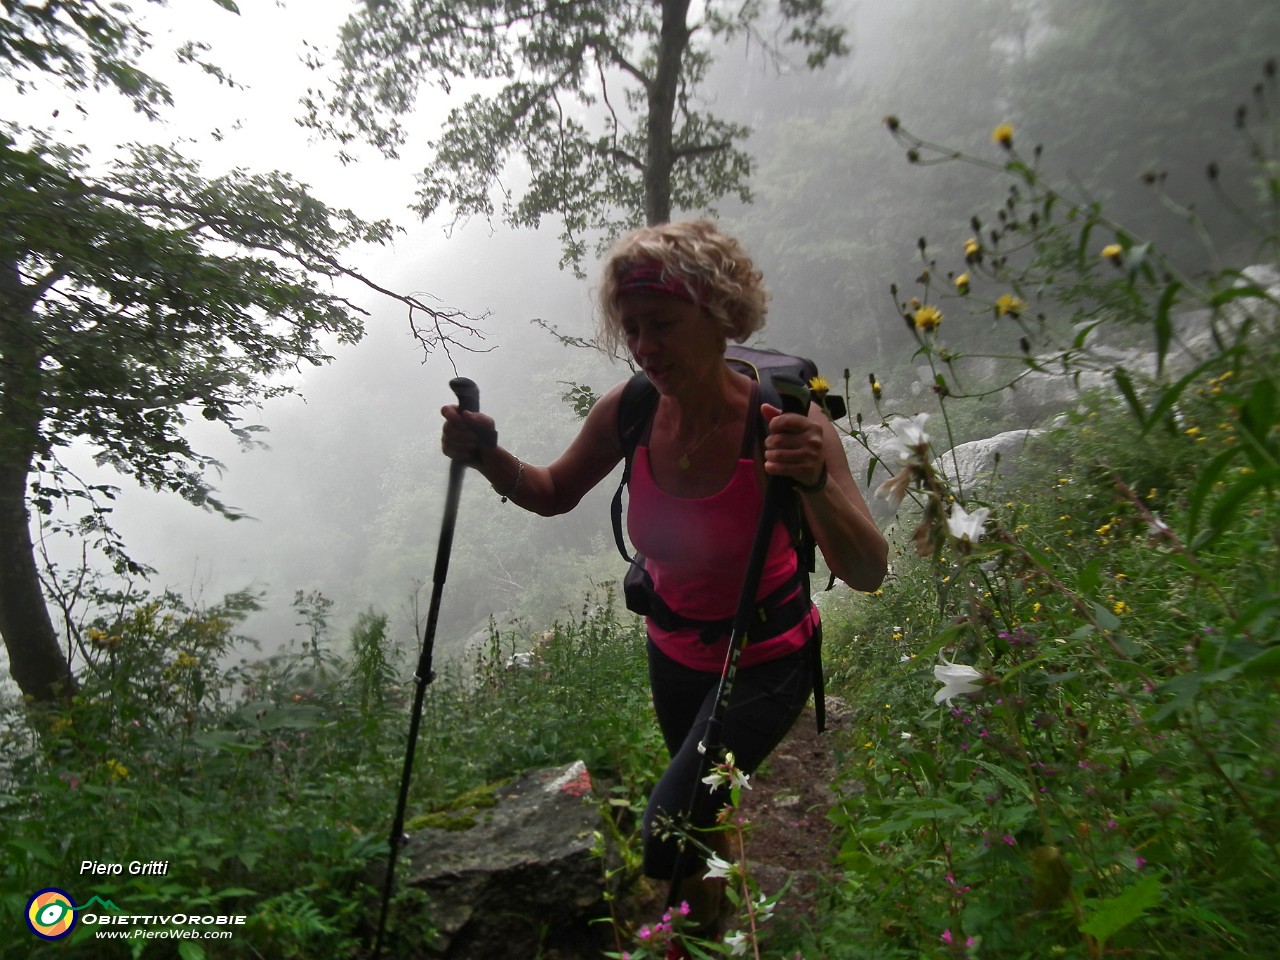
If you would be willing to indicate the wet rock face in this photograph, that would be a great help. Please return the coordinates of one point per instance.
(523, 872)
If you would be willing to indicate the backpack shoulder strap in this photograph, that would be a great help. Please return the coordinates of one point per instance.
(635, 409)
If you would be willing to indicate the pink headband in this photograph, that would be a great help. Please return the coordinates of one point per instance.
(649, 276)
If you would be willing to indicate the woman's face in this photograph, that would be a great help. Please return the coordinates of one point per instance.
(673, 341)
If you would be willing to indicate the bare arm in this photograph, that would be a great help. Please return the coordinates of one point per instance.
(548, 490)
(808, 449)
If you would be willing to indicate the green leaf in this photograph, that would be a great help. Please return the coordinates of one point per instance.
(1009, 779)
(1170, 397)
(34, 849)
(1183, 690)
(1164, 326)
(1106, 619)
(1265, 664)
(1228, 505)
(1251, 290)
(1258, 613)
(190, 950)
(1113, 915)
(234, 892)
(1091, 576)
(1125, 383)
(1206, 482)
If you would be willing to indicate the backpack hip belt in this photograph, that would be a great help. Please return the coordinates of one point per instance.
(780, 611)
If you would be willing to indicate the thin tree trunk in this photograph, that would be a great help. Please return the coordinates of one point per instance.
(36, 660)
(660, 160)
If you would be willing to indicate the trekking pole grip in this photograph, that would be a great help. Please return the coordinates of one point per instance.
(794, 394)
(467, 392)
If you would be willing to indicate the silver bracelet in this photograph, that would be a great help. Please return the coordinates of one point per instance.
(516, 485)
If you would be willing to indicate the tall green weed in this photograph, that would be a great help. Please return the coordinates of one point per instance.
(1067, 693)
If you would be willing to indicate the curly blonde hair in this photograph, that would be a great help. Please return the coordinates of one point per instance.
(712, 265)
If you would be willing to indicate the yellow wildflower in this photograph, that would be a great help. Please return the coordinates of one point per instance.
(819, 385)
(1113, 252)
(927, 319)
(1003, 135)
(1119, 608)
(1007, 305)
(972, 248)
(116, 770)
(962, 283)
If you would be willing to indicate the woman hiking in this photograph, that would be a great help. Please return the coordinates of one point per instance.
(674, 295)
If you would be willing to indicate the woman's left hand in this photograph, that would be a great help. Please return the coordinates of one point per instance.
(794, 446)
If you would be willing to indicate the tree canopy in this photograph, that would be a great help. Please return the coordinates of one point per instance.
(600, 101)
(138, 294)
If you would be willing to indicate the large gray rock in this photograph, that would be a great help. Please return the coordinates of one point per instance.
(525, 868)
(859, 452)
(975, 465)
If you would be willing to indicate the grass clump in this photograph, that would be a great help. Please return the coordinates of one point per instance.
(1066, 741)
(267, 787)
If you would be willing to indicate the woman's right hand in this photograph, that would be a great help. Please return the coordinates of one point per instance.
(466, 435)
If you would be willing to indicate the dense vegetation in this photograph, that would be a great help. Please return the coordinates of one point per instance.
(1096, 776)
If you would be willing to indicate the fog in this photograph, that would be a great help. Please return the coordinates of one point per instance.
(345, 499)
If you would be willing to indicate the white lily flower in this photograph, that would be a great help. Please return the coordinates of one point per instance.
(737, 944)
(894, 489)
(967, 526)
(1157, 528)
(764, 908)
(908, 438)
(718, 868)
(957, 679)
(727, 774)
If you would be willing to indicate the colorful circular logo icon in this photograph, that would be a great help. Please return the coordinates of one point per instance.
(51, 914)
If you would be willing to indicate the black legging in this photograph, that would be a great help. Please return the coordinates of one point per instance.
(764, 703)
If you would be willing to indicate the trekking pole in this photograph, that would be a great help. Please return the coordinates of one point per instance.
(795, 399)
(468, 399)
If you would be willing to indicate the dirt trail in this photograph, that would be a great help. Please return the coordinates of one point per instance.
(790, 835)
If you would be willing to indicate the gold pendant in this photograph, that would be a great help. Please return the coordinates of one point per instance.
(683, 462)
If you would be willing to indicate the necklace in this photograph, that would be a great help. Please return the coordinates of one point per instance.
(683, 461)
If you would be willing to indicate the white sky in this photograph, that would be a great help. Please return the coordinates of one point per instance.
(383, 383)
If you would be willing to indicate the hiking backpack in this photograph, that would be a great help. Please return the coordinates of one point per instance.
(636, 408)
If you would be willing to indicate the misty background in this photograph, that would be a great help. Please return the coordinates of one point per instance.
(345, 499)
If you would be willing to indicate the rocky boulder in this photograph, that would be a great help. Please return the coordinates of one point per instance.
(523, 870)
(975, 465)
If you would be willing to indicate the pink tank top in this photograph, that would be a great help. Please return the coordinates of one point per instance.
(696, 552)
